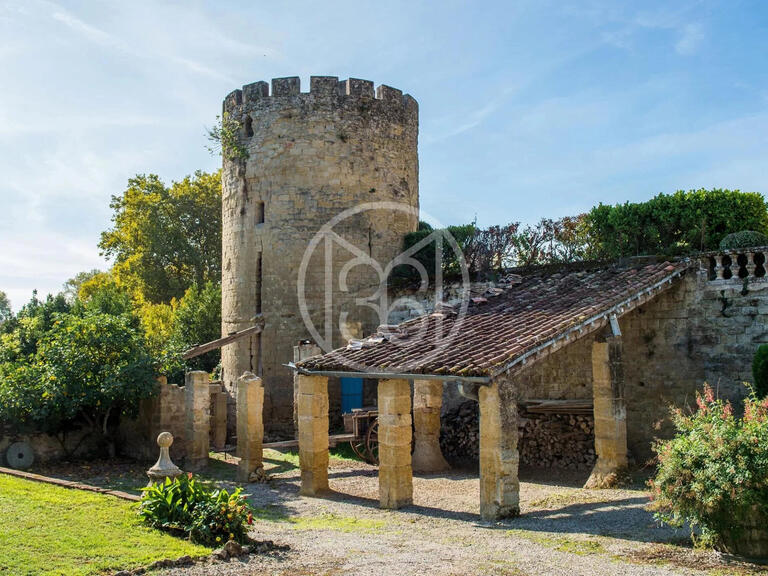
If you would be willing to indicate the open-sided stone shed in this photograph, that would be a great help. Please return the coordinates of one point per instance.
(487, 349)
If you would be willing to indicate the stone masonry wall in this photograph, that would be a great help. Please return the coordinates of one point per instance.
(311, 157)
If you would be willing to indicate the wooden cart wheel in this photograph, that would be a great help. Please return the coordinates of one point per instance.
(358, 447)
(372, 443)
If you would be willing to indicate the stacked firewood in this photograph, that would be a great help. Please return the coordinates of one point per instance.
(552, 435)
(558, 441)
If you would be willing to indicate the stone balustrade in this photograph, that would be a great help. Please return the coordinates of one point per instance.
(748, 263)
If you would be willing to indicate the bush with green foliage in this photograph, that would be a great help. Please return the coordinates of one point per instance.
(760, 371)
(714, 473)
(670, 224)
(84, 370)
(208, 515)
(743, 239)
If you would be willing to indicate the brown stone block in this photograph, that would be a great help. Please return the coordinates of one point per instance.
(313, 459)
(395, 420)
(314, 481)
(312, 405)
(395, 455)
(312, 384)
(394, 388)
(396, 436)
(390, 405)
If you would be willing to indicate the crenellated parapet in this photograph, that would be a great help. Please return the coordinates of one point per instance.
(321, 88)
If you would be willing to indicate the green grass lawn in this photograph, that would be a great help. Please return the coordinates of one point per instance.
(46, 529)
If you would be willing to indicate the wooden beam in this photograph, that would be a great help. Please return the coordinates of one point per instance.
(208, 346)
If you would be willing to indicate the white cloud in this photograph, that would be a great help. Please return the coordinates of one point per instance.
(89, 32)
(690, 40)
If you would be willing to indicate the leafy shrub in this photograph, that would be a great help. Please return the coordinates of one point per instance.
(743, 239)
(760, 371)
(208, 515)
(714, 472)
(81, 370)
(674, 223)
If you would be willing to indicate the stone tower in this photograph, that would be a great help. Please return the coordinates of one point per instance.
(311, 156)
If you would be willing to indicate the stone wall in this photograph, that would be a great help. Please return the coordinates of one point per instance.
(164, 412)
(311, 157)
(79, 443)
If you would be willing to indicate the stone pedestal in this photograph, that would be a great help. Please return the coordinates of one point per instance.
(427, 401)
(313, 433)
(610, 414)
(164, 467)
(250, 426)
(395, 473)
(499, 458)
(198, 416)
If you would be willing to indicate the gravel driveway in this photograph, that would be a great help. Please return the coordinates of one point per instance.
(564, 530)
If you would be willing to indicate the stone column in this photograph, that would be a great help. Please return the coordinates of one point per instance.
(313, 433)
(395, 473)
(610, 414)
(198, 416)
(499, 458)
(427, 400)
(250, 426)
(302, 351)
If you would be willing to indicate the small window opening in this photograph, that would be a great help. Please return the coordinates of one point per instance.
(712, 268)
(249, 126)
(259, 212)
(258, 283)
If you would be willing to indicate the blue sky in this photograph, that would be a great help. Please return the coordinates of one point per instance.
(527, 108)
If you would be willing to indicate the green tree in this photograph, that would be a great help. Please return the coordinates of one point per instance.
(72, 286)
(164, 239)
(197, 320)
(86, 370)
(5, 308)
(676, 223)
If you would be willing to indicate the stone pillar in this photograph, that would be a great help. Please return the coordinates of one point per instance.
(302, 351)
(499, 458)
(250, 426)
(395, 473)
(218, 417)
(427, 400)
(313, 433)
(610, 414)
(198, 416)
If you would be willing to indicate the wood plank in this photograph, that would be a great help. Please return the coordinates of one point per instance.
(215, 344)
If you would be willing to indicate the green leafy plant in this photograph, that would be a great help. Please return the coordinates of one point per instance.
(760, 371)
(713, 474)
(186, 505)
(225, 138)
(743, 239)
(676, 223)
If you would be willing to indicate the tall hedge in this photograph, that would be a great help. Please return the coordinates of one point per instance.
(676, 223)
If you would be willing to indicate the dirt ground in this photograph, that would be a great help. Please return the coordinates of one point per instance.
(563, 530)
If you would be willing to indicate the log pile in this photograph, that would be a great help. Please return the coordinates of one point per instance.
(553, 434)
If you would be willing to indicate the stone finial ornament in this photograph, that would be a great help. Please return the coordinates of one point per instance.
(164, 467)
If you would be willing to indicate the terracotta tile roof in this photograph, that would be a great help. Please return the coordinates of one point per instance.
(539, 313)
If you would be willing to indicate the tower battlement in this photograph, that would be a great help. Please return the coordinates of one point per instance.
(320, 87)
